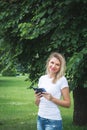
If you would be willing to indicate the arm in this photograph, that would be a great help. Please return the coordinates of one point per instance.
(66, 98)
(65, 102)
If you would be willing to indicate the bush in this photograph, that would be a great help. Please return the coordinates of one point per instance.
(8, 72)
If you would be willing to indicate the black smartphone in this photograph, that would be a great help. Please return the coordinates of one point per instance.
(39, 90)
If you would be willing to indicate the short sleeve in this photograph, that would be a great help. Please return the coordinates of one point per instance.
(64, 82)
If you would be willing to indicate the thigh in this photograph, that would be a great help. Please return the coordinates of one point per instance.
(54, 125)
(40, 123)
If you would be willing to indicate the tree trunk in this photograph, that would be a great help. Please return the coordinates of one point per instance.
(80, 106)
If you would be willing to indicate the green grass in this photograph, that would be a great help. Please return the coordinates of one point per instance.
(17, 108)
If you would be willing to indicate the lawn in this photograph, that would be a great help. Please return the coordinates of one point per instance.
(17, 108)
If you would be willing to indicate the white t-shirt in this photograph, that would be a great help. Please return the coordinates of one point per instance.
(48, 109)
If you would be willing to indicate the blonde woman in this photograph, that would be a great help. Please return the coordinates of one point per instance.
(56, 85)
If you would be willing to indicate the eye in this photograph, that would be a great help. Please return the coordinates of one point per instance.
(52, 62)
(57, 64)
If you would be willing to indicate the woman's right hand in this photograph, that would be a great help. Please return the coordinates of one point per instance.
(37, 98)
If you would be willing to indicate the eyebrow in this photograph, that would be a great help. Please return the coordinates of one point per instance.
(56, 63)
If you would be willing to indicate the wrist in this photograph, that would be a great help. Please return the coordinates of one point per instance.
(37, 101)
(51, 98)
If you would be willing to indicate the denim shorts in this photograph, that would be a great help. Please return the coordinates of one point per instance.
(48, 124)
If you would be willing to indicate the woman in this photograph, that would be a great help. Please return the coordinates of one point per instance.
(56, 85)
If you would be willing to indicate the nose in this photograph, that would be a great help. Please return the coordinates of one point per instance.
(53, 65)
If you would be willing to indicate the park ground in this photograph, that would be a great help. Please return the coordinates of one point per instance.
(17, 108)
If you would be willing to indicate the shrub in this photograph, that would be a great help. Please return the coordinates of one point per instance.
(8, 72)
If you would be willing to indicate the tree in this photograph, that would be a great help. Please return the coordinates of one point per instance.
(77, 68)
(36, 28)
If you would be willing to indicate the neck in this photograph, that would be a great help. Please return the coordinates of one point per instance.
(51, 75)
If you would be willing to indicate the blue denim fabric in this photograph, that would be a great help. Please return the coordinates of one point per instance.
(48, 124)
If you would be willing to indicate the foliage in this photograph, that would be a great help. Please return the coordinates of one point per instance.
(77, 67)
(34, 29)
(9, 71)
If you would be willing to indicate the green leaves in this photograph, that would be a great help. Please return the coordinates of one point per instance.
(76, 69)
(24, 29)
(37, 27)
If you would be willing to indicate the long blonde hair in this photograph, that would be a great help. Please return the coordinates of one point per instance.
(61, 72)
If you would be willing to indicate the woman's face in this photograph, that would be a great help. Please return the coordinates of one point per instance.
(54, 66)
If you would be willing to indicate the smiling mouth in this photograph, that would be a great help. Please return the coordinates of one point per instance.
(52, 69)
